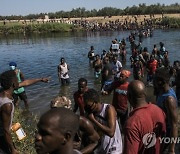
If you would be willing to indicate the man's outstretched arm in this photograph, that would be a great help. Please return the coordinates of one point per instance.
(29, 82)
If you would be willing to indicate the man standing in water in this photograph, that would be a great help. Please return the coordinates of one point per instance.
(91, 55)
(97, 65)
(9, 83)
(63, 69)
(20, 92)
(107, 75)
(120, 101)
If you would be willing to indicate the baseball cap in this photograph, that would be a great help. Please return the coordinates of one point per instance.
(12, 64)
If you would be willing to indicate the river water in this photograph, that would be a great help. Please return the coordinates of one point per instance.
(39, 55)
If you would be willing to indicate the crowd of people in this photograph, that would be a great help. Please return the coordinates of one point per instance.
(128, 124)
(128, 23)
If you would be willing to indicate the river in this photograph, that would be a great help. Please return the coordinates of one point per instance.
(39, 55)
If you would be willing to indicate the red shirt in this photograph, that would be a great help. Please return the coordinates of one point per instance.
(120, 95)
(147, 119)
(152, 66)
(78, 100)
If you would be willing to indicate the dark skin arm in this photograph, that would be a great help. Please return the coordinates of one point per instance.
(6, 120)
(75, 105)
(22, 76)
(87, 127)
(75, 108)
(59, 70)
(32, 81)
(171, 107)
(111, 122)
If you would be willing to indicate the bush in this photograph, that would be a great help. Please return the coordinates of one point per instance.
(171, 22)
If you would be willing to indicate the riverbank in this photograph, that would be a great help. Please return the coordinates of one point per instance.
(76, 24)
(140, 18)
(18, 28)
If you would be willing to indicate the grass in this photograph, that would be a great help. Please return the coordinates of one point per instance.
(19, 28)
(28, 122)
(171, 22)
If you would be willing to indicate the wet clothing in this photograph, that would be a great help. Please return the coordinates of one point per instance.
(22, 96)
(97, 74)
(108, 145)
(65, 81)
(143, 120)
(64, 71)
(162, 50)
(20, 92)
(91, 55)
(63, 74)
(78, 100)
(107, 85)
(97, 68)
(116, 68)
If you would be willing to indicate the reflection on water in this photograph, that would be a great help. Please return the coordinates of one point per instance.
(38, 55)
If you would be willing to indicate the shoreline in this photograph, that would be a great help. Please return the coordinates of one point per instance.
(128, 22)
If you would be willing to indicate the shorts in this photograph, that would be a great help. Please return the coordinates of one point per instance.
(65, 81)
(22, 96)
(150, 78)
(97, 74)
(107, 85)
